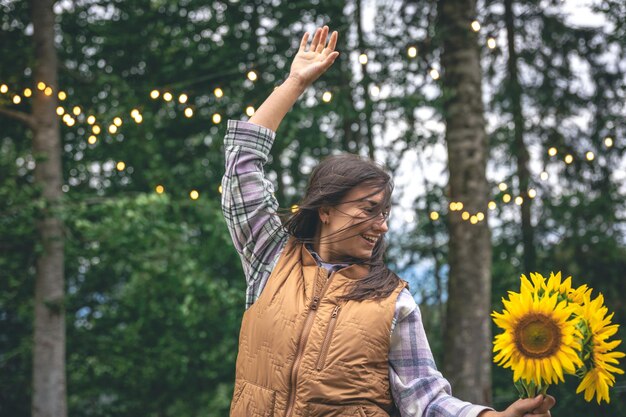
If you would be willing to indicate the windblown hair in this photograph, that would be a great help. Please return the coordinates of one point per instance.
(328, 184)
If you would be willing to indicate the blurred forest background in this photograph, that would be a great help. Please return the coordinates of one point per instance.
(151, 290)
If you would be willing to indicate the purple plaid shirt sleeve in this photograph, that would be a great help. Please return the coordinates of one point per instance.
(418, 388)
(250, 209)
(249, 205)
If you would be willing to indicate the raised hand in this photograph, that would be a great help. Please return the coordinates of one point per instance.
(312, 61)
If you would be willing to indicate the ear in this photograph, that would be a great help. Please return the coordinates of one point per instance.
(324, 214)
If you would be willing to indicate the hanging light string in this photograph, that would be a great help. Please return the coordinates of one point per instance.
(71, 114)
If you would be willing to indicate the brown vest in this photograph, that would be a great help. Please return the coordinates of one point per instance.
(304, 352)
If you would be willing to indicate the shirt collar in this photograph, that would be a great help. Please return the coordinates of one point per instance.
(331, 267)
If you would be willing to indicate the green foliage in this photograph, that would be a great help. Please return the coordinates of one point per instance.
(154, 288)
(154, 305)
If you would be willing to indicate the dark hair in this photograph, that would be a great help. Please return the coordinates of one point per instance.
(329, 183)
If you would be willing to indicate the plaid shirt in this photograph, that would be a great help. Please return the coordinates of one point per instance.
(250, 208)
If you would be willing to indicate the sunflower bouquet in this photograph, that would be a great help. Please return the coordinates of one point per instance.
(552, 329)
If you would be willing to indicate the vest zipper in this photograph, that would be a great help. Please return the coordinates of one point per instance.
(329, 335)
(308, 323)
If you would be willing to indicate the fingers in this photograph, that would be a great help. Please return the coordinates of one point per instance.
(304, 41)
(322, 43)
(525, 406)
(328, 61)
(545, 406)
(532, 407)
(318, 44)
(316, 39)
(333, 41)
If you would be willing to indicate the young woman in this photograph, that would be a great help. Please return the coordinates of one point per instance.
(328, 330)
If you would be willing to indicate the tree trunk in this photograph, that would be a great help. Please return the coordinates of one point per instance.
(467, 354)
(49, 391)
(519, 148)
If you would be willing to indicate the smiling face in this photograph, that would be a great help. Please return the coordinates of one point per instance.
(352, 228)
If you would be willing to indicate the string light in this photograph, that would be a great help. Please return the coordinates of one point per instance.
(194, 194)
(480, 216)
(294, 208)
(76, 110)
(252, 76)
(4, 88)
(95, 129)
(167, 96)
(519, 200)
(112, 129)
(250, 111)
(412, 52)
(473, 219)
(532, 193)
(434, 215)
(544, 175)
(465, 215)
(219, 189)
(506, 198)
(502, 186)
(134, 113)
(160, 189)
(434, 74)
(92, 140)
(218, 92)
(138, 118)
(188, 112)
(182, 99)
(327, 96)
(608, 142)
(375, 91)
(492, 205)
(456, 206)
(48, 91)
(117, 121)
(91, 119)
(362, 59)
(491, 43)
(217, 118)
(552, 151)
(60, 111)
(17, 99)
(61, 95)
(569, 159)
(28, 92)
(475, 26)
(590, 156)
(120, 166)
(41, 86)
(154, 94)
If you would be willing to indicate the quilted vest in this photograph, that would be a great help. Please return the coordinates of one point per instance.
(303, 352)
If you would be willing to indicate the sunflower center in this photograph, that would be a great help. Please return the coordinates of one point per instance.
(537, 336)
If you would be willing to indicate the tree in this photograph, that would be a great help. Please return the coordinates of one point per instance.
(467, 358)
(49, 386)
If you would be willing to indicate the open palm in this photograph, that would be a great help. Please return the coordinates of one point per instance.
(310, 63)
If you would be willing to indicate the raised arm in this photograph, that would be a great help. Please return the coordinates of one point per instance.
(248, 202)
(310, 62)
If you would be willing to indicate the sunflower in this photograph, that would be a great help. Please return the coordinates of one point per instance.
(540, 336)
(600, 362)
(554, 285)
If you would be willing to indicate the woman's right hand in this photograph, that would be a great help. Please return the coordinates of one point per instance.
(310, 63)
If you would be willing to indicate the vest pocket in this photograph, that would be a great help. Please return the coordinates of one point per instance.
(327, 339)
(251, 400)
